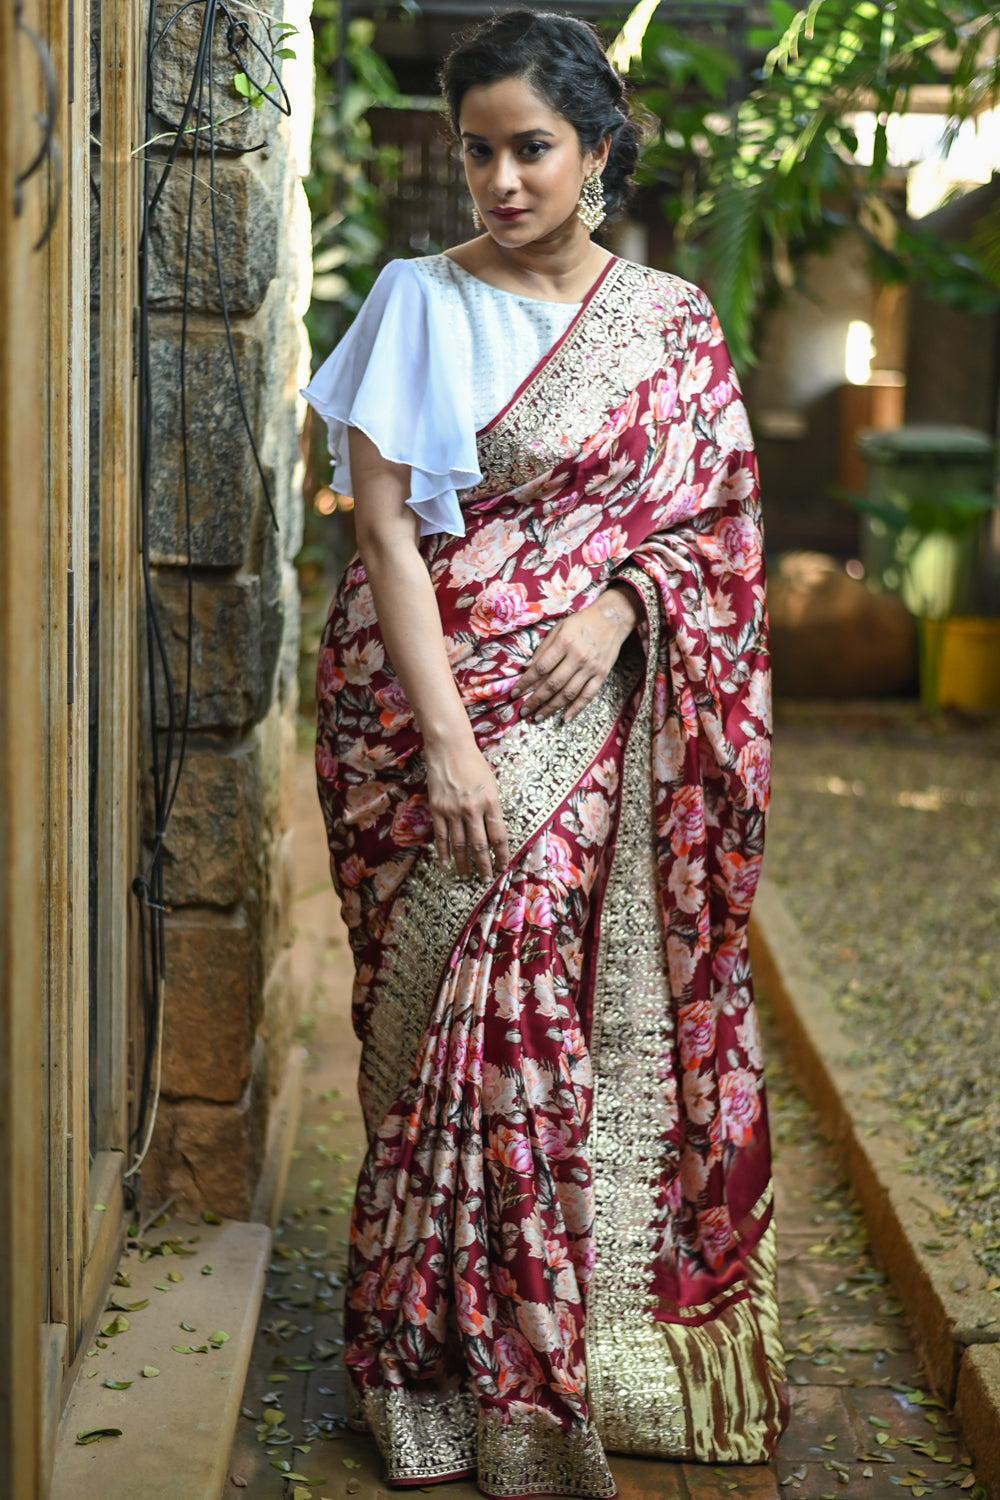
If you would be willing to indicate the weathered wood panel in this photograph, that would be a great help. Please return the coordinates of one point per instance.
(20, 757)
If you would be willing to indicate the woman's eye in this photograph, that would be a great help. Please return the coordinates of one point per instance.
(534, 149)
(477, 152)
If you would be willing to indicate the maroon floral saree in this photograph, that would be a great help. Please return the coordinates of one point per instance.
(562, 1239)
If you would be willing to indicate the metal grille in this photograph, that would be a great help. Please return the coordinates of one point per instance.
(427, 207)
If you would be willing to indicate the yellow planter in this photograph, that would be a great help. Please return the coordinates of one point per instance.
(969, 663)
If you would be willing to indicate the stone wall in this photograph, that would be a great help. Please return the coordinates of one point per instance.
(230, 1007)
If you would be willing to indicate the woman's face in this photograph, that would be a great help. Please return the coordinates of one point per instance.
(523, 162)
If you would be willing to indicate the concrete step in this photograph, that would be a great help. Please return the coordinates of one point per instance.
(177, 1426)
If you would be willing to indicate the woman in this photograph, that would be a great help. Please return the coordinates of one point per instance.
(548, 669)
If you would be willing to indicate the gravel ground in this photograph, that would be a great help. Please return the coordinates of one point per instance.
(885, 840)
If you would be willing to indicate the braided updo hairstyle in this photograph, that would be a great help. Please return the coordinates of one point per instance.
(563, 61)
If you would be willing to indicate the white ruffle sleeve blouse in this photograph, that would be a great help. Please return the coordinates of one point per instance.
(432, 356)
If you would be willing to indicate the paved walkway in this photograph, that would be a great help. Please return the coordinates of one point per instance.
(863, 1426)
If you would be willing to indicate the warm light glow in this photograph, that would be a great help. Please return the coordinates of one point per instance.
(855, 568)
(858, 352)
(325, 502)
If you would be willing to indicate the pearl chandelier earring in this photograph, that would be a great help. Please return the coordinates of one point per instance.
(591, 209)
(476, 218)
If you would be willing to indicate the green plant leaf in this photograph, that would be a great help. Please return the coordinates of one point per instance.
(150, 1372)
(93, 1434)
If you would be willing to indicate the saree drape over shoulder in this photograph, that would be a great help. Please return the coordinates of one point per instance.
(562, 1240)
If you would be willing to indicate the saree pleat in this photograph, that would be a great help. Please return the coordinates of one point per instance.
(562, 1239)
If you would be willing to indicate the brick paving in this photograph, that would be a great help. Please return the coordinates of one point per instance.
(864, 1425)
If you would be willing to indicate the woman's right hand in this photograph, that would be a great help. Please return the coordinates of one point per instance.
(464, 803)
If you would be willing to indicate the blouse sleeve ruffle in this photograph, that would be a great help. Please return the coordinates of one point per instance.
(394, 376)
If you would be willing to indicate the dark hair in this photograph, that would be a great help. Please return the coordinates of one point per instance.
(563, 61)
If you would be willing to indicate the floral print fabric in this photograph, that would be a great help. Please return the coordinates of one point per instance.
(472, 1237)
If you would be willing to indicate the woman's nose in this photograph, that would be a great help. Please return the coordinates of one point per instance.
(504, 179)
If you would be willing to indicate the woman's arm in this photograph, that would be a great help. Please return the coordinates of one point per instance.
(461, 788)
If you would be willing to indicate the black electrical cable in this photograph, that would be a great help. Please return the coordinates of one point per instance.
(148, 886)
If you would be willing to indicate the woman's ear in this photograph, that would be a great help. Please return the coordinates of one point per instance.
(598, 158)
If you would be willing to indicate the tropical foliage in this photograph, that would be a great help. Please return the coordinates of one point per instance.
(348, 228)
(757, 178)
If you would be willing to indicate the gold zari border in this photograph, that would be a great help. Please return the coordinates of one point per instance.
(713, 1392)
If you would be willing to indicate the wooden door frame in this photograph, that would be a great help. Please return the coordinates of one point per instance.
(61, 1220)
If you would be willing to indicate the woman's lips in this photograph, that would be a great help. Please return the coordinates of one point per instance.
(508, 213)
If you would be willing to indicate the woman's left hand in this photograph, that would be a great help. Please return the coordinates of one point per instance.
(576, 656)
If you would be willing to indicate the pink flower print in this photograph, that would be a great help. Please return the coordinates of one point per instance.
(559, 859)
(470, 1318)
(501, 607)
(364, 1294)
(485, 553)
(734, 547)
(687, 819)
(395, 706)
(715, 1234)
(352, 870)
(696, 1033)
(663, 398)
(605, 546)
(719, 396)
(740, 1104)
(512, 1149)
(512, 917)
(411, 823)
(738, 878)
(538, 906)
(415, 1309)
(394, 1285)
(327, 764)
(552, 1138)
(728, 952)
(754, 766)
(329, 675)
(518, 1371)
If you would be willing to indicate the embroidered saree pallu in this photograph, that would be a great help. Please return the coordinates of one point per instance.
(562, 1239)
